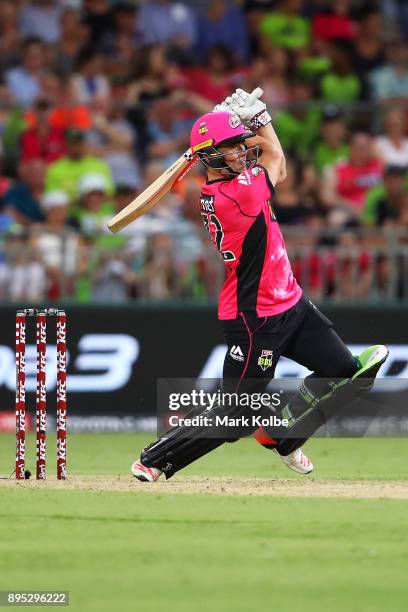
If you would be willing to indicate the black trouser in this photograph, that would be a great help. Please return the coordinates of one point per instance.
(254, 347)
(302, 334)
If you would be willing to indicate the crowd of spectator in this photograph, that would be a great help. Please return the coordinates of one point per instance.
(97, 98)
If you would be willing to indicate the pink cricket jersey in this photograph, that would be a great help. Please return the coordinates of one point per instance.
(239, 218)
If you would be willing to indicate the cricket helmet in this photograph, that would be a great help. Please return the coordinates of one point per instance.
(213, 130)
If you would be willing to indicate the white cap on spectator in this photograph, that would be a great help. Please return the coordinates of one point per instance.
(91, 182)
(54, 199)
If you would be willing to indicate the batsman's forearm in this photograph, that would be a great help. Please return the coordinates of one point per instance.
(268, 133)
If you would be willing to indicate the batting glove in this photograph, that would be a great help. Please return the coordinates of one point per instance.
(252, 113)
(223, 107)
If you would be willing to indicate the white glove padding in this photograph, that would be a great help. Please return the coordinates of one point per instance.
(249, 108)
(223, 107)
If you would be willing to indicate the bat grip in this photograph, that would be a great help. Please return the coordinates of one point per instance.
(254, 96)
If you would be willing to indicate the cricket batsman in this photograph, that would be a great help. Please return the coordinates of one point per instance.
(262, 310)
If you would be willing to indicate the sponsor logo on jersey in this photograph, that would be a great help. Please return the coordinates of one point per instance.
(236, 353)
(257, 170)
(244, 178)
(207, 203)
(265, 359)
(234, 121)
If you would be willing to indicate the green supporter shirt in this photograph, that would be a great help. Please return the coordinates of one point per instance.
(298, 134)
(338, 89)
(371, 204)
(284, 31)
(65, 174)
(326, 156)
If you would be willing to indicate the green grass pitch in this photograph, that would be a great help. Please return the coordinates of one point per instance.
(146, 551)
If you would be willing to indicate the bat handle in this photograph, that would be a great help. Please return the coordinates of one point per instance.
(254, 96)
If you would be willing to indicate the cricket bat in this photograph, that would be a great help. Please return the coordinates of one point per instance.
(154, 193)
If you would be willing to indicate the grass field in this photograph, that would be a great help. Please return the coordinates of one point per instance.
(144, 549)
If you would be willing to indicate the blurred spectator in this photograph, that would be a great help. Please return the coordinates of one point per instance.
(298, 125)
(98, 18)
(391, 81)
(26, 274)
(334, 22)
(10, 36)
(382, 203)
(88, 84)
(24, 81)
(5, 181)
(393, 146)
(255, 11)
(151, 71)
(286, 27)
(223, 24)
(111, 279)
(24, 196)
(74, 35)
(41, 140)
(57, 244)
(333, 146)
(95, 206)
(166, 21)
(66, 172)
(217, 79)
(168, 135)
(401, 219)
(120, 42)
(346, 184)
(341, 84)
(368, 50)
(158, 278)
(287, 205)
(113, 138)
(40, 18)
(271, 71)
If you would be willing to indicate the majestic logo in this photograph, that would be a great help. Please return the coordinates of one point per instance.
(265, 360)
(236, 353)
(234, 121)
(203, 129)
(244, 178)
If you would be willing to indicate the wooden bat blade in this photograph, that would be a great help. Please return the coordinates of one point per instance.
(152, 195)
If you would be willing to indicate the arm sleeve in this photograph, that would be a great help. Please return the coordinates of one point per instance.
(249, 190)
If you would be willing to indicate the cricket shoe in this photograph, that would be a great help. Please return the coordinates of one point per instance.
(297, 461)
(143, 473)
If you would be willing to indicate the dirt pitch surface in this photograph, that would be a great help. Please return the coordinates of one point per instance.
(303, 487)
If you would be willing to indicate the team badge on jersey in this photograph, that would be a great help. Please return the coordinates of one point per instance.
(265, 360)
